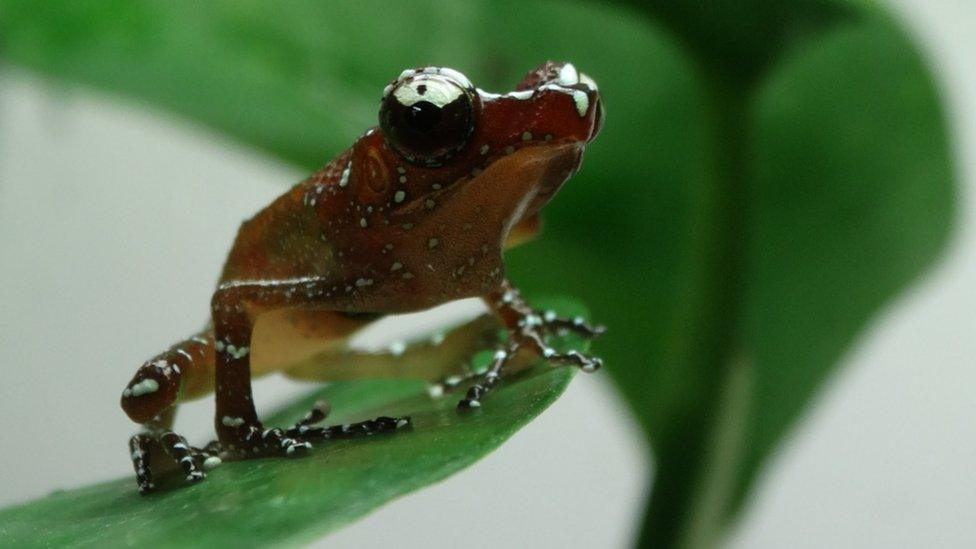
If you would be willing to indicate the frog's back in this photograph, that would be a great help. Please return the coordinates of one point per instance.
(286, 239)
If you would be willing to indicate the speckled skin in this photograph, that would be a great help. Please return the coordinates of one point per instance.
(373, 233)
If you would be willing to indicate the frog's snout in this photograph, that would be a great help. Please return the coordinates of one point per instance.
(586, 85)
(597, 113)
(565, 77)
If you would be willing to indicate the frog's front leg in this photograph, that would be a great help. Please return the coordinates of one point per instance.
(527, 329)
(235, 307)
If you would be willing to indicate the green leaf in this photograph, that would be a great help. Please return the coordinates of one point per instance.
(830, 190)
(273, 501)
(770, 175)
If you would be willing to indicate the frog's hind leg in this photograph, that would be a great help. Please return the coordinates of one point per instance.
(441, 359)
(235, 307)
(182, 372)
(151, 399)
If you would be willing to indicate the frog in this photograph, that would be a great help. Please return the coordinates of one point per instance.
(415, 214)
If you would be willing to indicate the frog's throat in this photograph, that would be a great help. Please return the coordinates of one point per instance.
(516, 186)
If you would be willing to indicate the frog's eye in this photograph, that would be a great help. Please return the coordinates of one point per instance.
(428, 115)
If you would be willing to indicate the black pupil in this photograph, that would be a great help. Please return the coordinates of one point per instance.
(423, 116)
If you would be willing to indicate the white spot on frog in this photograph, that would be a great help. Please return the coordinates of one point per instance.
(232, 421)
(568, 75)
(237, 352)
(397, 348)
(144, 387)
(582, 102)
(520, 95)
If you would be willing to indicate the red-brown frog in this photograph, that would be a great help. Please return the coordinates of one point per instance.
(415, 214)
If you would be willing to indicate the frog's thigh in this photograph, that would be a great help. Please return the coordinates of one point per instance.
(285, 337)
(428, 359)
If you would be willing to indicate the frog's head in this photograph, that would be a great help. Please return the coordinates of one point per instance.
(435, 117)
(451, 159)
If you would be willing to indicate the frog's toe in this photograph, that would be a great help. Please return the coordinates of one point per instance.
(573, 358)
(307, 429)
(140, 450)
(489, 379)
(149, 452)
(320, 410)
(277, 441)
(359, 429)
(577, 325)
(297, 448)
(450, 384)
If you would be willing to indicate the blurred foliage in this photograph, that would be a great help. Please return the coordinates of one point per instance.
(770, 174)
(290, 501)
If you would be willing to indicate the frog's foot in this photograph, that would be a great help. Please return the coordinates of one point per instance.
(501, 359)
(145, 449)
(489, 379)
(528, 329)
(255, 440)
(307, 430)
(450, 384)
(555, 324)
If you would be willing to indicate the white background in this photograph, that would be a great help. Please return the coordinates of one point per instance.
(103, 264)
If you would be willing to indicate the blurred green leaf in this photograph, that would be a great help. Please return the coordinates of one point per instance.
(831, 188)
(277, 501)
(771, 173)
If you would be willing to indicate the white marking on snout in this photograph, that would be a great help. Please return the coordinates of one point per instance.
(568, 75)
(582, 102)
